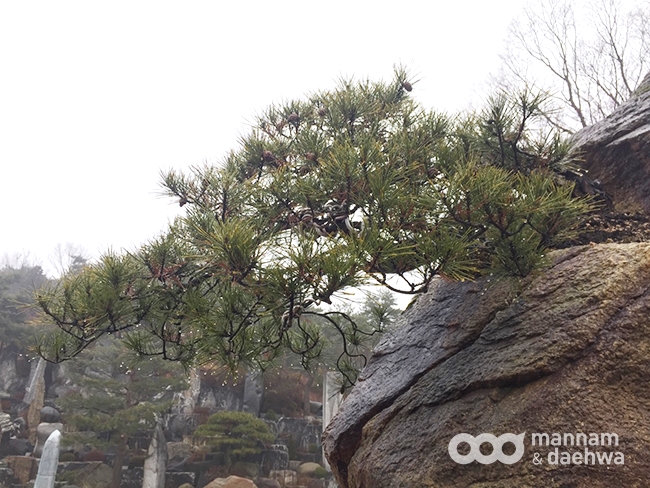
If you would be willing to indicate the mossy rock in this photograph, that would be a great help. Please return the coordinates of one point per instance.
(310, 469)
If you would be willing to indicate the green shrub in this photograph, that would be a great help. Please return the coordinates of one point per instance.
(66, 457)
(321, 473)
(236, 434)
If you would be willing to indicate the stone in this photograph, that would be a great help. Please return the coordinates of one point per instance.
(34, 397)
(565, 350)
(616, 152)
(43, 432)
(46, 475)
(24, 468)
(304, 431)
(95, 474)
(19, 447)
(175, 479)
(308, 469)
(180, 421)
(7, 478)
(253, 389)
(156, 462)
(177, 455)
(134, 478)
(6, 427)
(50, 415)
(285, 477)
(245, 470)
(267, 483)
(220, 395)
(37, 375)
(316, 408)
(275, 459)
(231, 482)
(10, 380)
(317, 484)
(179, 450)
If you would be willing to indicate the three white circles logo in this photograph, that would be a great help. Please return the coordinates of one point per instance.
(497, 453)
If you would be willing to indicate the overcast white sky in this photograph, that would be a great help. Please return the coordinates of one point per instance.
(96, 98)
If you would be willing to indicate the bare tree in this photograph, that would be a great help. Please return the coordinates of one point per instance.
(17, 261)
(68, 258)
(589, 57)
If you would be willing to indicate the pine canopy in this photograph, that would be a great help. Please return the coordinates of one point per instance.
(355, 185)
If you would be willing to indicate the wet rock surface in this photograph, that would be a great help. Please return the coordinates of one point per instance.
(566, 350)
(616, 152)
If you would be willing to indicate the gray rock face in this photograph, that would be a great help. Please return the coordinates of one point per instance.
(95, 474)
(15, 370)
(303, 431)
(7, 477)
(275, 459)
(616, 151)
(253, 389)
(221, 397)
(564, 351)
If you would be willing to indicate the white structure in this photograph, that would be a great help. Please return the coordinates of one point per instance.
(332, 399)
(49, 462)
(156, 463)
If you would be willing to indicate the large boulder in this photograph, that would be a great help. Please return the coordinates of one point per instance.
(266, 483)
(231, 482)
(24, 468)
(284, 477)
(564, 351)
(7, 477)
(309, 469)
(616, 152)
(275, 459)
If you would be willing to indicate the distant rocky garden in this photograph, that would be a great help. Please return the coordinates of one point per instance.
(217, 431)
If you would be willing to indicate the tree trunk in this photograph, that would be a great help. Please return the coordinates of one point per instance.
(119, 460)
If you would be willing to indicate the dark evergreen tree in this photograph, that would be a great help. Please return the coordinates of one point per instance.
(235, 434)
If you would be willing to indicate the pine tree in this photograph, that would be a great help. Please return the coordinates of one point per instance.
(346, 186)
(235, 434)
